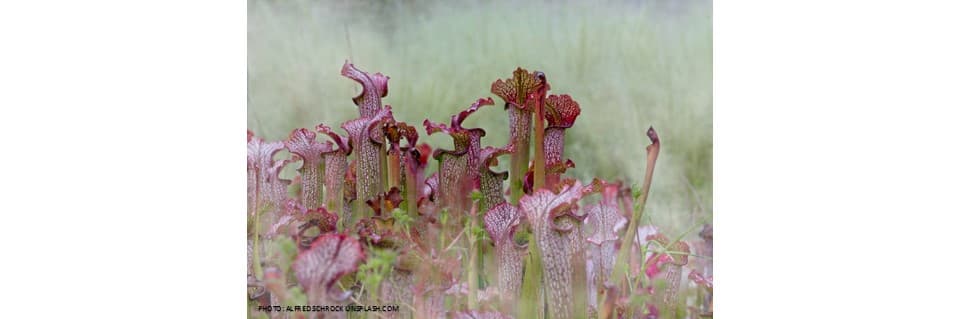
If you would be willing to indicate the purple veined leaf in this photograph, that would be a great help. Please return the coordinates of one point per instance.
(320, 219)
(350, 195)
(378, 231)
(392, 132)
(303, 143)
(374, 89)
(707, 284)
(554, 176)
(673, 278)
(514, 92)
(668, 266)
(404, 165)
(560, 112)
(460, 167)
(656, 265)
(324, 220)
(491, 183)
(431, 188)
(261, 166)
(369, 173)
(277, 186)
(287, 222)
(643, 233)
(681, 259)
(577, 256)
(329, 257)
(501, 222)
(656, 262)
(283, 226)
(700, 280)
(520, 128)
(606, 221)
(335, 171)
(553, 145)
(464, 139)
(679, 246)
(378, 137)
(554, 222)
(415, 161)
(451, 190)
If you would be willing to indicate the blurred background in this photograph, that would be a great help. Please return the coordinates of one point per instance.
(630, 65)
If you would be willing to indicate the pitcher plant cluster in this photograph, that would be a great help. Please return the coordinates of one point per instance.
(363, 223)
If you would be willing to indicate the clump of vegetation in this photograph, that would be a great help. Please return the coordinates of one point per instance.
(361, 223)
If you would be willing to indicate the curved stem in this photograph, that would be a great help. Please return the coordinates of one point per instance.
(620, 269)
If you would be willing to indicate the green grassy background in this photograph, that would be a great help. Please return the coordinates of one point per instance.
(630, 65)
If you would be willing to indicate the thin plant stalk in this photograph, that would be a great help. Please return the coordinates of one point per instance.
(257, 269)
(473, 276)
(530, 305)
(411, 190)
(620, 268)
(539, 159)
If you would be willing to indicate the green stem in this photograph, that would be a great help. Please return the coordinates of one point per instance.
(539, 161)
(257, 269)
(257, 210)
(620, 268)
(530, 306)
(472, 273)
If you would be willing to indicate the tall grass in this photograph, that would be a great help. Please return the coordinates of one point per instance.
(629, 65)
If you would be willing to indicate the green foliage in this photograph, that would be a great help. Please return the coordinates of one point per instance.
(401, 219)
(295, 297)
(476, 196)
(444, 216)
(378, 266)
(283, 251)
